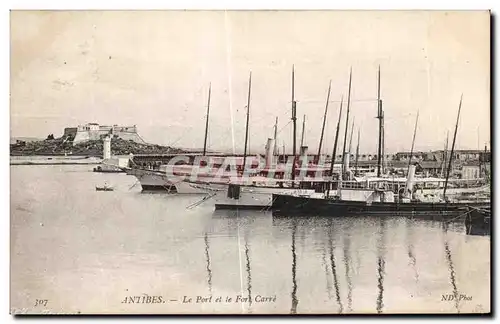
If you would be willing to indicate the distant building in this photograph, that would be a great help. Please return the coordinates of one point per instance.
(364, 157)
(471, 170)
(470, 164)
(429, 168)
(415, 156)
(94, 131)
(462, 155)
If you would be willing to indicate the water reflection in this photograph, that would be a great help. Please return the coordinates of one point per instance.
(334, 267)
(327, 271)
(232, 221)
(451, 267)
(295, 301)
(452, 274)
(319, 244)
(381, 265)
(409, 224)
(249, 273)
(209, 271)
(347, 262)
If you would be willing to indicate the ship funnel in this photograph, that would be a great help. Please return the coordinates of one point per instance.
(410, 179)
(106, 150)
(269, 153)
(347, 171)
(347, 158)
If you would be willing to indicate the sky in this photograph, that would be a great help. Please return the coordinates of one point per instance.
(153, 69)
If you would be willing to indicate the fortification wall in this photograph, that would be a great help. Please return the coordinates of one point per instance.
(126, 133)
(84, 136)
(70, 131)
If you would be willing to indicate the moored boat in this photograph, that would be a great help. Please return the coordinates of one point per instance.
(104, 188)
(253, 195)
(258, 191)
(297, 205)
(152, 180)
(377, 201)
(104, 168)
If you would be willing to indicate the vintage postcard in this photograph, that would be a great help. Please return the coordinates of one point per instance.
(250, 162)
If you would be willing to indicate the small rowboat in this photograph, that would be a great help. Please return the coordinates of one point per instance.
(104, 188)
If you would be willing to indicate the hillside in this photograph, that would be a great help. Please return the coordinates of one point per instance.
(61, 146)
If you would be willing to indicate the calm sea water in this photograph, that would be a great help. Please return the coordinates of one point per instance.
(82, 251)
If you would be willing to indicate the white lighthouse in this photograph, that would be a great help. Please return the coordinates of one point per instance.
(106, 151)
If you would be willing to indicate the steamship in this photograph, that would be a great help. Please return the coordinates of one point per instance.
(386, 197)
(262, 191)
(211, 171)
(381, 200)
(254, 188)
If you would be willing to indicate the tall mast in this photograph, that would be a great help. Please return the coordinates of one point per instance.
(382, 153)
(452, 148)
(445, 154)
(206, 124)
(413, 142)
(336, 137)
(324, 119)
(350, 138)
(347, 121)
(357, 156)
(303, 130)
(294, 120)
(380, 117)
(248, 118)
(335, 144)
(275, 150)
(483, 173)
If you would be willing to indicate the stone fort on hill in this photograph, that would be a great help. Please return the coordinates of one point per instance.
(94, 131)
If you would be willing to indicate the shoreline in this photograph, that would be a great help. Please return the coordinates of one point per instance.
(54, 160)
(52, 163)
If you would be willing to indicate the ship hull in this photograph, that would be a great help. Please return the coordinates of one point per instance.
(184, 187)
(293, 205)
(478, 221)
(153, 181)
(248, 197)
(104, 189)
(108, 171)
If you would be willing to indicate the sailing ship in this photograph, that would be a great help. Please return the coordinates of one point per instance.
(254, 191)
(380, 200)
(166, 178)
